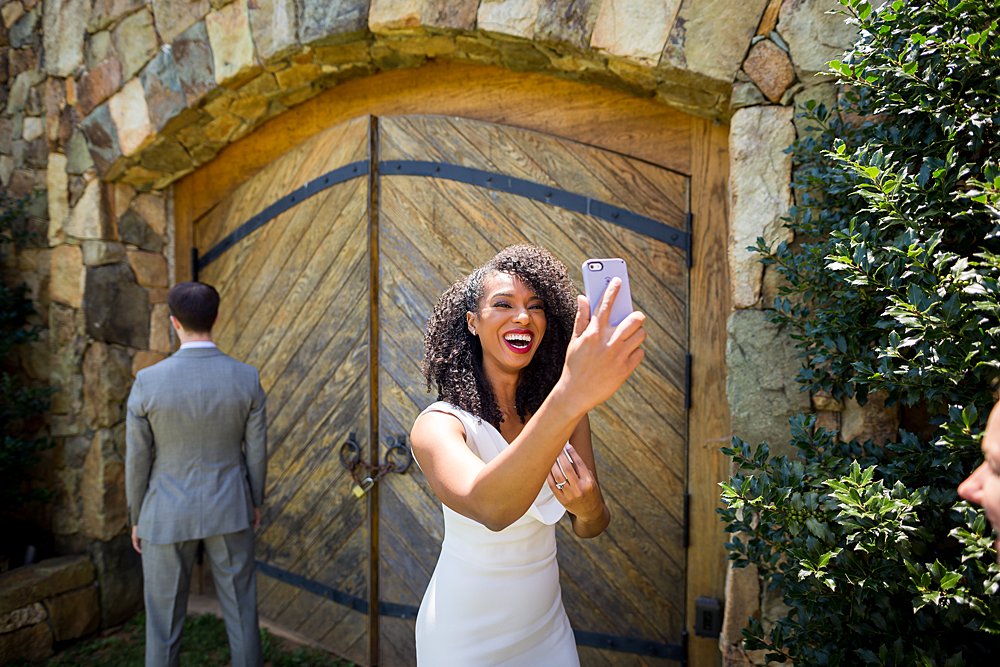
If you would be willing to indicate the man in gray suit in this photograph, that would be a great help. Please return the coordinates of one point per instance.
(194, 471)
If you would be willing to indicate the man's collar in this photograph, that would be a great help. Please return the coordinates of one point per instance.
(197, 344)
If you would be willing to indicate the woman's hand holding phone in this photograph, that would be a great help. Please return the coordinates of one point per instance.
(597, 275)
(601, 355)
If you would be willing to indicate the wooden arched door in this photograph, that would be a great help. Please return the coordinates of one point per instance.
(329, 262)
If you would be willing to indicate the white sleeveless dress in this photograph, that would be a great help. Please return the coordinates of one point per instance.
(494, 597)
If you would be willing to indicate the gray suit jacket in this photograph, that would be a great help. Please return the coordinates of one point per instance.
(196, 440)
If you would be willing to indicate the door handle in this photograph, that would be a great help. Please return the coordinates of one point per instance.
(397, 459)
(350, 458)
(350, 452)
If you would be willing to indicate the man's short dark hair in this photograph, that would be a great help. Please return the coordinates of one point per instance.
(195, 305)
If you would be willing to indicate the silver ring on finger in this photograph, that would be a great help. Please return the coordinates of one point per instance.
(560, 485)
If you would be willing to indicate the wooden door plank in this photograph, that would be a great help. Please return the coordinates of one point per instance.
(709, 416)
(322, 328)
(661, 481)
(288, 272)
(399, 553)
(398, 648)
(293, 607)
(340, 568)
(276, 259)
(628, 601)
(399, 414)
(319, 488)
(593, 657)
(332, 148)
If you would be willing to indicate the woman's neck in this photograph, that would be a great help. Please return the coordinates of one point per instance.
(504, 386)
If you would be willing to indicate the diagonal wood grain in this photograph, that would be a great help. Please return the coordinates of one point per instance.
(335, 147)
(629, 581)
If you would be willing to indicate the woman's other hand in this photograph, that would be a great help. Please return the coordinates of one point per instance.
(576, 488)
(601, 356)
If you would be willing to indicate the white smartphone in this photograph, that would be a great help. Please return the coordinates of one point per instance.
(597, 273)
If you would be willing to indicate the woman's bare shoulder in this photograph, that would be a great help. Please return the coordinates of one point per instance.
(435, 423)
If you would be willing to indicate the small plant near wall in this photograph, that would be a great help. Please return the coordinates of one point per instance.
(22, 405)
(891, 287)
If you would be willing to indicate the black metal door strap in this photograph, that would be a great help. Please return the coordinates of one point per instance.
(295, 197)
(486, 179)
(538, 192)
(395, 610)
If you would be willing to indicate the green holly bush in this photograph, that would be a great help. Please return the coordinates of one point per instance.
(890, 286)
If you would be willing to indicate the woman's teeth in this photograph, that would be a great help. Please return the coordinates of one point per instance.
(518, 340)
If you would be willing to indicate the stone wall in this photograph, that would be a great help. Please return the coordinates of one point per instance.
(783, 69)
(164, 89)
(46, 604)
(106, 102)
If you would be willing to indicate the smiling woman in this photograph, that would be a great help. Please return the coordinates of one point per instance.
(517, 366)
(509, 301)
(522, 278)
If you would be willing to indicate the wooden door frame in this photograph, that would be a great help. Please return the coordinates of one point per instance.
(591, 114)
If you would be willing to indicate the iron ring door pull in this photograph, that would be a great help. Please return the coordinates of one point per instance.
(398, 457)
(350, 458)
(350, 452)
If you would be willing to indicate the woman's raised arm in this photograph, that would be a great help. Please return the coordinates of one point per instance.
(599, 358)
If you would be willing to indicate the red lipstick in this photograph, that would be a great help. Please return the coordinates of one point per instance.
(519, 341)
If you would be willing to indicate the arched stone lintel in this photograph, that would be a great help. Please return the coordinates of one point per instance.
(192, 100)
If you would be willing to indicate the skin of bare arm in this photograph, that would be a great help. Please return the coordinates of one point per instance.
(599, 359)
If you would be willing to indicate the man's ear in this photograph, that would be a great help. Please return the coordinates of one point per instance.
(175, 323)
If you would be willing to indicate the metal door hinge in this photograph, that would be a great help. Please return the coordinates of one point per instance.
(687, 520)
(687, 381)
(690, 239)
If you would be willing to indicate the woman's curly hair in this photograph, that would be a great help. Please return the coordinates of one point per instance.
(453, 357)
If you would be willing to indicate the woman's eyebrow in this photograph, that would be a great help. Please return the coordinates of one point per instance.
(510, 295)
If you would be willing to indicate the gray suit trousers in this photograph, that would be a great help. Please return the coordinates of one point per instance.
(166, 572)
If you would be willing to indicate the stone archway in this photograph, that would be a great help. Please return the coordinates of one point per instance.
(132, 96)
(166, 94)
(205, 81)
(604, 118)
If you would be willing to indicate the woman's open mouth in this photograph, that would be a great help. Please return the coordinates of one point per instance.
(519, 341)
